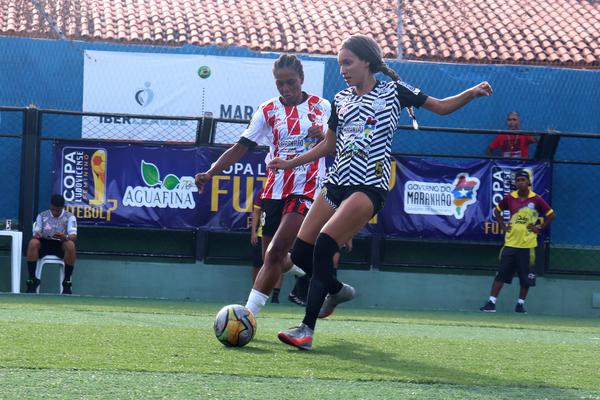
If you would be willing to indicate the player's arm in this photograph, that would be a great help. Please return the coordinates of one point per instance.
(498, 214)
(326, 147)
(548, 214)
(255, 221)
(450, 104)
(37, 227)
(256, 130)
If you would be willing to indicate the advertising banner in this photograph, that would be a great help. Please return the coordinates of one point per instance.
(153, 186)
(178, 85)
(441, 200)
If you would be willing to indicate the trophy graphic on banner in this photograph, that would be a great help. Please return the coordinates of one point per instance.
(99, 173)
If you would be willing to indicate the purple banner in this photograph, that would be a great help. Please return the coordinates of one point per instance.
(153, 186)
(436, 200)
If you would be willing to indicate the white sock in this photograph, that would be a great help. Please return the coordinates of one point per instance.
(521, 301)
(493, 299)
(256, 301)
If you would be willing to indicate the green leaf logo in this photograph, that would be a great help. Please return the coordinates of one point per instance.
(171, 182)
(150, 174)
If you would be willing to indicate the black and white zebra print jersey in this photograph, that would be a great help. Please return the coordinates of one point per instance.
(364, 126)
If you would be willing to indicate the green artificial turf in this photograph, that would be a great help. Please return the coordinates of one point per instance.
(83, 347)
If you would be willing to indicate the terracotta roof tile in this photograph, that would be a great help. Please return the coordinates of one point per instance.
(566, 32)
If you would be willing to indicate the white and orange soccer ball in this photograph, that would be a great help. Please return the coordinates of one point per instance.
(235, 325)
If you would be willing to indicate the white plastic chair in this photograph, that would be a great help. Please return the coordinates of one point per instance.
(50, 260)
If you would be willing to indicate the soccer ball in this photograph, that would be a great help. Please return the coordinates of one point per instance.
(235, 325)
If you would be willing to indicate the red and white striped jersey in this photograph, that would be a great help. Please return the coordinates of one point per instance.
(284, 129)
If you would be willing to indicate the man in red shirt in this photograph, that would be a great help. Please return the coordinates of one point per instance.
(512, 146)
(529, 214)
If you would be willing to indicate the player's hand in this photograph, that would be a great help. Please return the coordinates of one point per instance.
(202, 178)
(483, 89)
(254, 239)
(533, 228)
(316, 131)
(347, 246)
(278, 163)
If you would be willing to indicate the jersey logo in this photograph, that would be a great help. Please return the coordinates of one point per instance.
(407, 86)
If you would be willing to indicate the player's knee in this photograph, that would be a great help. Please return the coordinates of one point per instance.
(276, 253)
(34, 244)
(325, 249)
(302, 255)
(69, 246)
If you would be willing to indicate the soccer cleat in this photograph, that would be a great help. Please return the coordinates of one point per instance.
(296, 300)
(333, 300)
(296, 271)
(300, 337)
(520, 308)
(32, 285)
(488, 307)
(66, 285)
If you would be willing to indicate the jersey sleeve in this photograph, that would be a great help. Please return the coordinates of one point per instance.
(543, 207)
(72, 225)
(410, 96)
(37, 227)
(503, 205)
(258, 130)
(326, 107)
(333, 117)
(496, 143)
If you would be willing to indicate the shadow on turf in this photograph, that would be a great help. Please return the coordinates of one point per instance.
(393, 368)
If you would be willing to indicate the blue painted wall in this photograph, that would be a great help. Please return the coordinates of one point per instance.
(49, 73)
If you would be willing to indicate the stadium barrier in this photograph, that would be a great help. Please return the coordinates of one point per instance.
(29, 133)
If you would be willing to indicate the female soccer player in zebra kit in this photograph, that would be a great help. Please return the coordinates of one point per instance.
(290, 125)
(363, 119)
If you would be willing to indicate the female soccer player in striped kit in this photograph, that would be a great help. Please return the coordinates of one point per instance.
(363, 120)
(291, 125)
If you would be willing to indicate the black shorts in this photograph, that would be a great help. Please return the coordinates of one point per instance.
(275, 209)
(517, 260)
(336, 194)
(257, 260)
(49, 247)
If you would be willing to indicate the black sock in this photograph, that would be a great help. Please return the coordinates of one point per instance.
(68, 271)
(302, 287)
(31, 265)
(302, 256)
(322, 279)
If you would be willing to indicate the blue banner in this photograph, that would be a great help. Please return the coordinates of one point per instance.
(442, 200)
(139, 185)
(153, 186)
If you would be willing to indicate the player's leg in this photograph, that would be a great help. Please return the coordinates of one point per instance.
(349, 218)
(68, 249)
(504, 275)
(257, 258)
(526, 266)
(33, 255)
(345, 222)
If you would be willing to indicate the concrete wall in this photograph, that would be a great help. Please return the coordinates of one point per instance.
(396, 290)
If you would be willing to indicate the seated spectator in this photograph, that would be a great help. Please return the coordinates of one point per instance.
(54, 233)
(513, 145)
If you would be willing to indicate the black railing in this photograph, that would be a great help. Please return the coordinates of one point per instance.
(219, 132)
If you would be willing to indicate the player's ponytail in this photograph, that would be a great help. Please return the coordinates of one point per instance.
(386, 70)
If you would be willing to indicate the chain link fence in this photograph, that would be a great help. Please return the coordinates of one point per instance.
(575, 160)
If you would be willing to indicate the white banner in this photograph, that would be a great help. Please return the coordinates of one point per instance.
(176, 85)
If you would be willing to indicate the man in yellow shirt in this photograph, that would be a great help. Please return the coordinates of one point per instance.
(529, 214)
